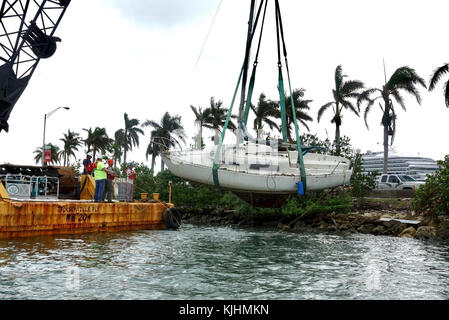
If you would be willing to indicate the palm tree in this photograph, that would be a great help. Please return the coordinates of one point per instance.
(71, 141)
(300, 107)
(215, 118)
(128, 137)
(437, 74)
(199, 119)
(54, 154)
(163, 136)
(264, 110)
(343, 92)
(115, 150)
(404, 79)
(98, 140)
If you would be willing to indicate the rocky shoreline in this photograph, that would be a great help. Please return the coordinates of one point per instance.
(364, 218)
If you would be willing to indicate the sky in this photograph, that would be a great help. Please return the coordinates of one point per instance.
(140, 57)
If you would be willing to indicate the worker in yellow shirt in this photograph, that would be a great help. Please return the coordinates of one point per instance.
(100, 174)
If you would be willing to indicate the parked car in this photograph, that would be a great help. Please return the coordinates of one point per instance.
(397, 182)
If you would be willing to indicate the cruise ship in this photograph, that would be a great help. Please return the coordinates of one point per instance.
(416, 167)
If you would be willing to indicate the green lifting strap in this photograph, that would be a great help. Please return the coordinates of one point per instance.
(282, 101)
(250, 95)
(253, 74)
(298, 142)
(280, 31)
(217, 153)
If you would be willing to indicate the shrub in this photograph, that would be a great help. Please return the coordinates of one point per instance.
(433, 196)
(361, 184)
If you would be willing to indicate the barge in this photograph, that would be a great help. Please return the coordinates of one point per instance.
(24, 217)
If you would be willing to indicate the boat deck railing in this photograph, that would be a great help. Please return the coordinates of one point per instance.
(21, 186)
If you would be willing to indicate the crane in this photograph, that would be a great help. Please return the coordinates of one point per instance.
(27, 34)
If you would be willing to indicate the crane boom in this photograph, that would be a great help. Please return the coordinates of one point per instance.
(26, 36)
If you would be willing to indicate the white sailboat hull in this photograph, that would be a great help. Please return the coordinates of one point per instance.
(322, 172)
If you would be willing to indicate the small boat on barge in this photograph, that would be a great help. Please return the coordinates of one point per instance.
(41, 214)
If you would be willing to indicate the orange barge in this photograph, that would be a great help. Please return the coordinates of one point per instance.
(23, 218)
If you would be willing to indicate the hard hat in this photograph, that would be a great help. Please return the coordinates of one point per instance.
(110, 162)
(131, 164)
(89, 154)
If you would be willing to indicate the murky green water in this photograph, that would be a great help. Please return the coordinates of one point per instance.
(200, 262)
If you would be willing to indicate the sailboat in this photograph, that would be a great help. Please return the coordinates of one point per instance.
(259, 172)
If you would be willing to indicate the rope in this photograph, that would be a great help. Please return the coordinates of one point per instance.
(207, 36)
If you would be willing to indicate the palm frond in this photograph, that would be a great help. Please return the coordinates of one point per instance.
(403, 76)
(368, 109)
(348, 104)
(446, 93)
(365, 96)
(437, 74)
(351, 86)
(338, 77)
(322, 109)
(399, 99)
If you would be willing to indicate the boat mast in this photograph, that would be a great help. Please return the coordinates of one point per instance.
(245, 68)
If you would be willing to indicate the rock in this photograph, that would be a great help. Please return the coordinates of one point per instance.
(380, 230)
(394, 227)
(283, 227)
(431, 221)
(300, 225)
(366, 228)
(426, 232)
(408, 232)
(443, 230)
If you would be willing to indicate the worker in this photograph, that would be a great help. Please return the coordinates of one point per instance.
(100, 174)
(109, 191)
(87, 163)
(130, 173)
(130, 177)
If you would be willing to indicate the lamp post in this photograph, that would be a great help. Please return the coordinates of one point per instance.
(45, 124)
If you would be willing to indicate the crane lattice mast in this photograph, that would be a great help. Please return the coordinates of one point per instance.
(27, 29)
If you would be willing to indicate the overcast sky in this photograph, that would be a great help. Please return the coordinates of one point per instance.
(139, 57)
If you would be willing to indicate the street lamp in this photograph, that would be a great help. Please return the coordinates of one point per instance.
(45, 124)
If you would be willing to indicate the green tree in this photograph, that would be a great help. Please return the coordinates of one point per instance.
(128, 137)
(435, 78)
(343, 93)
(361, 184)
(215, 118)
(115, 151)
(200, 118)
(54, 154)
(433, 197)
(404, 79)
(165, 134)
(301, 106)
(265, 110)
(97, 140)
(71, 141)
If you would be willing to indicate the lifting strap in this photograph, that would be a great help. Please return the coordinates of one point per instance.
(228, 117)
(280, 31)
(253, 74)
(217, 153)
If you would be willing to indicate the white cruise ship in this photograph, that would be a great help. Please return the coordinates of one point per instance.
(416, 167)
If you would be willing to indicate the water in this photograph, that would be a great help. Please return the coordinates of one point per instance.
(203, 262)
